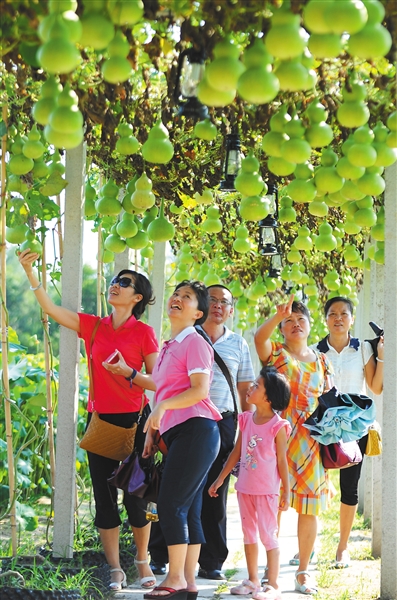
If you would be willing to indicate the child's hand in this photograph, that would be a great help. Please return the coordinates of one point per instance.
(284, 501)
(212, 489)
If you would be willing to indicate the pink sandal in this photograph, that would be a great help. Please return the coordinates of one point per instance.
(245, 588)
(268, 593)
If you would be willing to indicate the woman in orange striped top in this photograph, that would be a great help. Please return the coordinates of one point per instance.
(307, 371)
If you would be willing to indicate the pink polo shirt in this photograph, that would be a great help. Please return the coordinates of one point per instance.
(179, 358)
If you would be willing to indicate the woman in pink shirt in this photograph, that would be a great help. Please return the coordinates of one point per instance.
(187, 421)
(261, 448)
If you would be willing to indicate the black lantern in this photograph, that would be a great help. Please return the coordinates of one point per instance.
(268, 235)
(189, 74)
(275, 265)
(232, 162)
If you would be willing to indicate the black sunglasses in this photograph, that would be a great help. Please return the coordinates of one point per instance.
(122, 281)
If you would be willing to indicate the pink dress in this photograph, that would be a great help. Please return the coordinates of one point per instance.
(258, 483)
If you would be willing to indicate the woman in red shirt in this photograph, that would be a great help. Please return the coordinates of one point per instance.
(118, 395)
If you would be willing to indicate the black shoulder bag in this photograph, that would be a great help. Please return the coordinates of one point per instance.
(223, 367)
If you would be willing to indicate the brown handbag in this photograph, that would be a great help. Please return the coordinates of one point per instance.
(104, 438)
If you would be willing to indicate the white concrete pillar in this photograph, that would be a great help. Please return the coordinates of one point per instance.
(122, 261)
(64, 499)
(362, 331)
(377, 315)
(157, 277)
(389, 457)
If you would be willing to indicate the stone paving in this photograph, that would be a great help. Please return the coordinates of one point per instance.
(236, 560)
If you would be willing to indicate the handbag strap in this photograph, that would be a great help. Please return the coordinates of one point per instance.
(223, 367)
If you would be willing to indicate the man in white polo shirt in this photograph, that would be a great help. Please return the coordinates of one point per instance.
(233, 349)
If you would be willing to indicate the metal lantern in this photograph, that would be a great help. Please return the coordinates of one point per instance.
(275, 265)
(268, 235)
(189, 74)
(232, 163)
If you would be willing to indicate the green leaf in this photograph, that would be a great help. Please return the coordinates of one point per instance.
(17, 370)
(37, 400)
(3, 128)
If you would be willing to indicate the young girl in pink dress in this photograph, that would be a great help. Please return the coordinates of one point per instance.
(261, 449)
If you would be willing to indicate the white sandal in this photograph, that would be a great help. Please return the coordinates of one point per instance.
(116, 586)
(150, 579)
(304, 588)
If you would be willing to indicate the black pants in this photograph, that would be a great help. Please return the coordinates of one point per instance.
(213, 515)
(349, 478)
(192, 448)
(105, 495)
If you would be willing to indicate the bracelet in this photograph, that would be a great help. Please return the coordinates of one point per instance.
(379, 360)
(34, 289)
(132, 376)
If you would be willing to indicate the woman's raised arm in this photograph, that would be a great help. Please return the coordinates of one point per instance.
(262, 336)
(61, 315)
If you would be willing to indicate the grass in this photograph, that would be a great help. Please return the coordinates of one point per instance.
(361, 581)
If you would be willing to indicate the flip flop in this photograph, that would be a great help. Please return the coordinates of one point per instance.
(172, 593)
(295, 559)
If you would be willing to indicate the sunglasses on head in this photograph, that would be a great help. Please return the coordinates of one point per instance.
(122, 281)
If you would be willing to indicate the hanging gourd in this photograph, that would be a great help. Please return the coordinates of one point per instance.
(242, 244)
(108, 202)
(98, 31)
(212, 278)
(212, 224)
(125, 12)
(254, 208)
(19, 164)
(236, 289)
(143, 197)
(127, 227)
(353, 112)
(224, 71)
(258, 85)
(117, 68)
(326, 177)
(212, 97)
(33, 148)
(206, 197)
(373, 40)
(17, 234)
(158, 148)
(149, 215)
(139, 241)
(205, 130)
(249, 182)
(47, 101)
(285, 25)
(161, 229)
(303, 241)
(65, 124)
(58, 54)
(325, 241)
(127, 144)
(32, 243)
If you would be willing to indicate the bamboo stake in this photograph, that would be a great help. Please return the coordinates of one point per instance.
(59, 228)
(48, 372)
(4, 344)
(99, 272)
